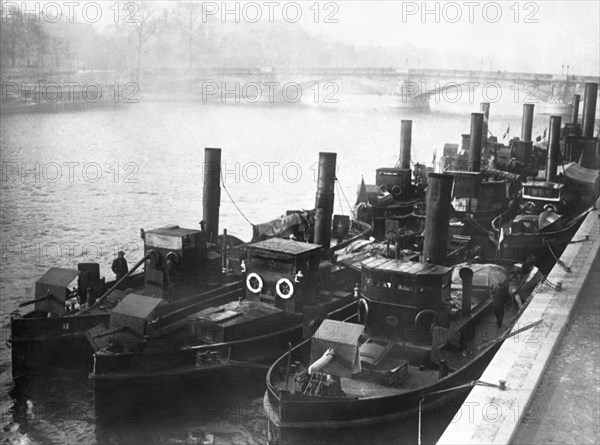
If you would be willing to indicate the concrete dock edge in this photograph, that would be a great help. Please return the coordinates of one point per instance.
(492, 416)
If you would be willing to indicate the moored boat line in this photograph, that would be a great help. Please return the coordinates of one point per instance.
(298, 277)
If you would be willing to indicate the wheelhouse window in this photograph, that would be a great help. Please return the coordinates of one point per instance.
(542, 192)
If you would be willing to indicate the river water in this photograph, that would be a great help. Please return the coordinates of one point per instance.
(79, 186)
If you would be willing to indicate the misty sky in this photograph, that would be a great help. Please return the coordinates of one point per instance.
(567, 32)
(546, 35)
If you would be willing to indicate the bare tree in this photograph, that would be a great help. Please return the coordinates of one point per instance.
(31, 36)
(187, 23)
(146, 24)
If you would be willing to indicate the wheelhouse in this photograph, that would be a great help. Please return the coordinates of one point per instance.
(400, 300)
(542, 191)
(282, 272)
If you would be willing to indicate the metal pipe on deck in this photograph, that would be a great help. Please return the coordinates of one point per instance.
(589, 109)
(405, 143)
(437, 217)
(466, 275)
(484, 107)
(211, 195)
(325, 198)
(475, 142)
(553, 148)
(489, 172)
(527, 122)
(575, 115)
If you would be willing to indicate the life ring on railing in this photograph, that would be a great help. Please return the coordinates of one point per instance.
(363, 311)
(396, 190)
(254, 282)
(284, 288)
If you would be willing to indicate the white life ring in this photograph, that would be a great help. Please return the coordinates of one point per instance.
(284, 288)
(254, 282)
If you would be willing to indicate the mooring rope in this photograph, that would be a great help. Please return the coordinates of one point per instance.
(339, 197)
(501, 385)
(346, 198)
(233, 202)
(558, 260)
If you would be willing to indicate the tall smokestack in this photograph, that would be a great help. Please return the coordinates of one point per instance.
(466, 275)
(527, 123)
(589, 109)
(325, 198)
(553, 148)
(475, 142)
(575, 115)
(405, 143)
(485, 109)
(211, 196)
(437, 217)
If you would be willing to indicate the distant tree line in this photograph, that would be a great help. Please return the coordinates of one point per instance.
(174, 36)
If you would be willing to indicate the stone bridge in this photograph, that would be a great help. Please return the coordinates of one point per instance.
(409, 87)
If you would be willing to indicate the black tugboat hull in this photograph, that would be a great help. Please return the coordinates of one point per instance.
(141, 372)
(38, 344)
(295, 417)
(547, 246)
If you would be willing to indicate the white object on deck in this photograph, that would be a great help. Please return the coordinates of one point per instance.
(325, 359)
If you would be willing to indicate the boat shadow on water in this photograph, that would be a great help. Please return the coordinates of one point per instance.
(64, 409)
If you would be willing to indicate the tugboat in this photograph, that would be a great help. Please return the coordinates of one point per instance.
(291, 286)
(417, 342)
(476, 201)
(543, 223)
(182, 269)
(393, 205)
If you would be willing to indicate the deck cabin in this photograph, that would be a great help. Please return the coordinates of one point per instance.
(283, 273)
(400, 300)
(536, 195)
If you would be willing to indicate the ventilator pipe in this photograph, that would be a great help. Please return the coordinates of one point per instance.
(321, 362)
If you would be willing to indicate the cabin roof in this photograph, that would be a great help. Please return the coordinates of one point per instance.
(544, 184)
(405, 267)
(285, 246)
(139, 306)
(173, 231)
(57, 276)
(339, 332)
(235, 312)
